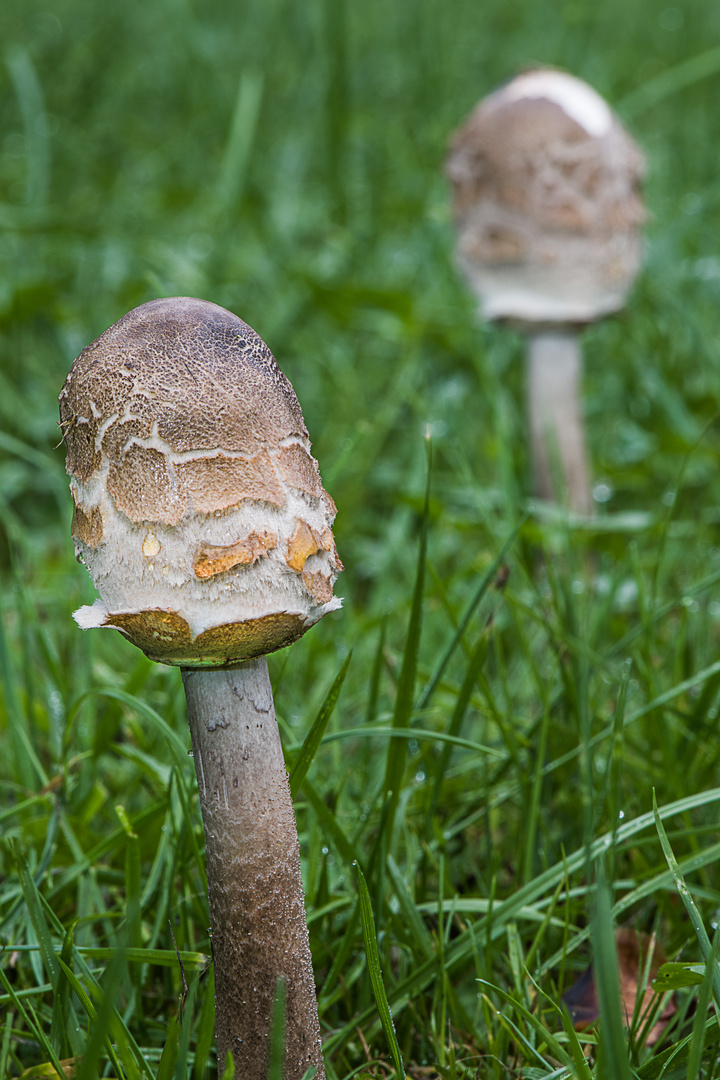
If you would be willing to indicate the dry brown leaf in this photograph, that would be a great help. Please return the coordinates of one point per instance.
(632, 949)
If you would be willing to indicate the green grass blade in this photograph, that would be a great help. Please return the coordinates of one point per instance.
(485, 583)
(276, 1042)
(206, 1028)
(121, 1038)
(697, 1042)
(236, 158)
(133, 884)
(28, 769)
(182, 787)
(161, 957)
(534, 813)
(65, 1026)
(669, 1062)
(414, 733)
(396, 752)
(330, 824)
(676, 78)
(374, 691)
(107, 844)
(582, 1067)
(28, 1014)
(685, 895)
(341, 958)
(37, 915)
(411, 915)
(166, 1066)
(613, 1061)
(5, 1043)
(475, 663)
(178, 747)
(100, 1020)
(228, 1072)
(373, 962)
(35, 123)
(186, 1026)
(334, 13)
(556, 1049)
(315, 735)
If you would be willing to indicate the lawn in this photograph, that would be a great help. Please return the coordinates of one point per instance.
(522, 689)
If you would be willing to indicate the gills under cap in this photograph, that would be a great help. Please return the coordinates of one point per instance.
(546, 195)
(199, 509)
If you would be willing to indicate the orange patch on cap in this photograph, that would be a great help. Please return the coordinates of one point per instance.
(302, 545)
(211, 560)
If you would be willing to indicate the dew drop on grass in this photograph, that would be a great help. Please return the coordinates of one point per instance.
(671, 18)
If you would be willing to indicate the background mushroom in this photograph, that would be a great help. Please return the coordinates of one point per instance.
(547, 205)
(202, 519)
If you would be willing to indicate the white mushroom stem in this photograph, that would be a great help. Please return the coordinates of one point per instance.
(555, 415)
(257, 908)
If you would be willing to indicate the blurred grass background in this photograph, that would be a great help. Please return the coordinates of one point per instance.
(285, 160)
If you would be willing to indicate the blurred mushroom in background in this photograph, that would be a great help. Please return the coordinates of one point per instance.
(547, 203)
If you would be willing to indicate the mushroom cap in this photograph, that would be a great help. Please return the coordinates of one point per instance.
(546, 197)
(199, 510)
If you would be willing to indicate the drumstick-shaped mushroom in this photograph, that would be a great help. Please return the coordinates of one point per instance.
(202, 519)
(546, 196)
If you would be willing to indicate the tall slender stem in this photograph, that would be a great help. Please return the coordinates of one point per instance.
(257, 909)
(556, 424)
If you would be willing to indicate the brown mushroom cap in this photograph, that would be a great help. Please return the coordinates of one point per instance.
(192, 479)
(546, 196)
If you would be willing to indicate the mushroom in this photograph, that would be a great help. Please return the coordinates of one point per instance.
(547, 206)
(202, 520)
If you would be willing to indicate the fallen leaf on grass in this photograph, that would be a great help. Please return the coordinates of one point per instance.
(632, 950)
(47, 1070)
(675, 976)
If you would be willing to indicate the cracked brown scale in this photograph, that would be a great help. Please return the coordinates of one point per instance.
(211, 559)
(87, 526)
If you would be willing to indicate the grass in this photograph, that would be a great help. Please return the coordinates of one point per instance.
(487, 768)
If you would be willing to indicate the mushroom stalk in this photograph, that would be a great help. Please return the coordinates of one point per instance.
(555, 417)
(257, 909)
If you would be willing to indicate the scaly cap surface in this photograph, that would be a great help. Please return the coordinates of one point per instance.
(199, 509)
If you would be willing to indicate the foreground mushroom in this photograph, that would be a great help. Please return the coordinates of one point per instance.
(201, 517)
(547, 205)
